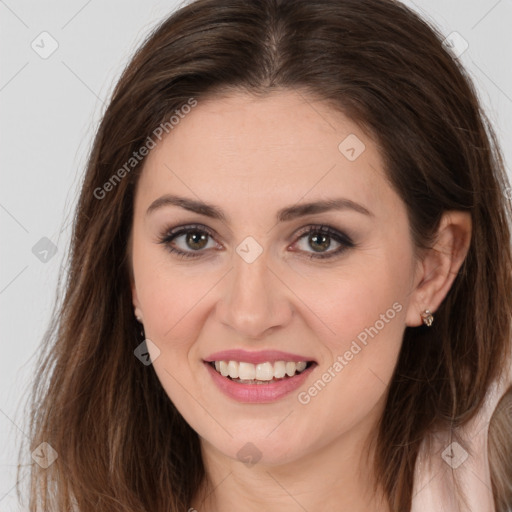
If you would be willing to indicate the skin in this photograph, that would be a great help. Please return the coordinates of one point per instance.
(266, 154)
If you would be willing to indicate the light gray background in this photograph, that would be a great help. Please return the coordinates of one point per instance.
(49, 112)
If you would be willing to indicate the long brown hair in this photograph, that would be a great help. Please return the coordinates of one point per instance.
(500, 450)
(121, 444)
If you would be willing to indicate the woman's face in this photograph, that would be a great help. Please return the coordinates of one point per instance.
(264, 285)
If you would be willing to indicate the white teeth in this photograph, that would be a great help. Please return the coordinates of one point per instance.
(260, 372)
(233, 369)
(301, 366)
(224, 369)
(290, 369)
(246, 371)
(279, 369)
(264, 371)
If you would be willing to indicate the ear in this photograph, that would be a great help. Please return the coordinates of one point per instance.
(135, 300)
(136, 304)
(439, 265)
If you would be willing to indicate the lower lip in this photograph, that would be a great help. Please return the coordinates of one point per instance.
(258, 393)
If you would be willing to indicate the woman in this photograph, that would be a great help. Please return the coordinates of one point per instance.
(290, 280)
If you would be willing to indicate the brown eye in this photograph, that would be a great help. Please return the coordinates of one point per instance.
(320, 239)
(319, 242)
(194, 240)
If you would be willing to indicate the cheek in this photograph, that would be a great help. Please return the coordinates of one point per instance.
(365, 308)
(363, 304)
(368, 291)
(351, 383)
(172, 305)
(170, 294)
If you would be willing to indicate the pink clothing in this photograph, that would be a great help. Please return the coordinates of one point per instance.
(464, 457)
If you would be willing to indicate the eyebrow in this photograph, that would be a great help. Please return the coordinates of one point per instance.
(283, 215)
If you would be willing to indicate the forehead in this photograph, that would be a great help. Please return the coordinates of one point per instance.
(276, 149)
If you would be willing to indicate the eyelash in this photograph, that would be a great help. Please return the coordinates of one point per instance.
(168, 236)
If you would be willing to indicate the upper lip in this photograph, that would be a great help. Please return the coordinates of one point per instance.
(254, 357)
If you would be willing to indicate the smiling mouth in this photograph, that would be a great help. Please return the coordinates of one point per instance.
(262, 373)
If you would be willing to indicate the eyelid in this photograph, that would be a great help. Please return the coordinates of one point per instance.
(167, 232)
(171, 233)
(324, 228)
(345, 241)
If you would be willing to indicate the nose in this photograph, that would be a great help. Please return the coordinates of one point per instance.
(254, 301)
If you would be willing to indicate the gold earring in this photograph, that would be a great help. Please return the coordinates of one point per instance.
(427, 317)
